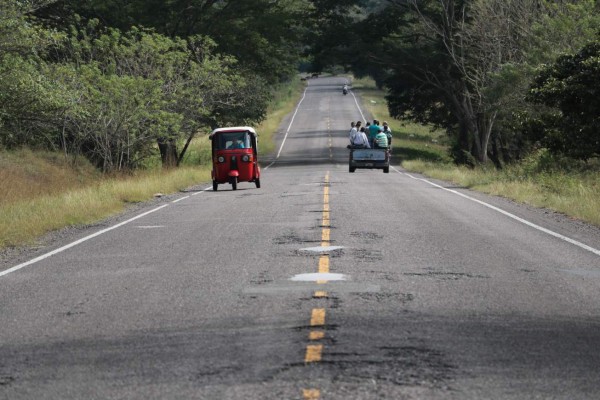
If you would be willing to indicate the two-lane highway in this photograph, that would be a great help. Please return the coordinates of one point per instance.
(319, 285)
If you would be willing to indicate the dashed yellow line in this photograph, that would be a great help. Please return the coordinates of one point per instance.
(325, 222)
(325, 235)
(311, 394)
(316, 335)
(324, 264)
(318, 317)
(313, 353)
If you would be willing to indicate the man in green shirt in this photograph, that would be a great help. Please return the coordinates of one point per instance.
(381, 141)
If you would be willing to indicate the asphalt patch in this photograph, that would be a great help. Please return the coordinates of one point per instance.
(446, 276)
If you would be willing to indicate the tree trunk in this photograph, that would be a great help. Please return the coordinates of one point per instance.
(185, 147)
(168, 152)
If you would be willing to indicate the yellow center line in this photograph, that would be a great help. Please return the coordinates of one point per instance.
(313, 353)
(325, 220)
(325, 237)
(324, 265)
(326, 232)
(318, 317)
(311, 394)
(316, 335)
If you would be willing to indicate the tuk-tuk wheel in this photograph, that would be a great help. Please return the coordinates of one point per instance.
(351, 169)
(257, 183)
(215, 185)
(234, 183)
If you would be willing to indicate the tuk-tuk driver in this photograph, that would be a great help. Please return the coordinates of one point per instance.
(236, 144)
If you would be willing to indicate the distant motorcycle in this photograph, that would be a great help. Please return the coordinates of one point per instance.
(345, 91)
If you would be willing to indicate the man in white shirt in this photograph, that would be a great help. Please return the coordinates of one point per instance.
(360, 140)
(353, 131)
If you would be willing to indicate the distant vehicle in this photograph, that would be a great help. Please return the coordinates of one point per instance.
(369, 158)
(235, 156)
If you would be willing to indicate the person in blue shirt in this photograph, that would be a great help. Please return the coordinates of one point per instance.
(374, 129)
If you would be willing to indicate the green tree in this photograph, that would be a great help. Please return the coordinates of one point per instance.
(267, 37)
(29, 100)
(570, 88)
(139, 88)
(559, 28)
(466, 65)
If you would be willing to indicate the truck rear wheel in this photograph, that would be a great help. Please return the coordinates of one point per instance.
(351, 169)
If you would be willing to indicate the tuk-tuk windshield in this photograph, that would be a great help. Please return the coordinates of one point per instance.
(233, 140)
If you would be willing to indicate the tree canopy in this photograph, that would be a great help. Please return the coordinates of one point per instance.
(465, 66)
(116, 80)
(570, 88)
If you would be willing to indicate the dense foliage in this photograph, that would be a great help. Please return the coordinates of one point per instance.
(120, 81)
(118, 93)
(570, 88)
(467, 66)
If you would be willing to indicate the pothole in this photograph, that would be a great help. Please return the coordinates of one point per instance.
(401, 366)
(366, 235)
(367, 255)
(401, 298)
(293, 239)
(6, 380)
(262, 279)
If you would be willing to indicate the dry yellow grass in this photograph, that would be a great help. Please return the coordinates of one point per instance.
(25, 174)
(573, 194)
(23, 221)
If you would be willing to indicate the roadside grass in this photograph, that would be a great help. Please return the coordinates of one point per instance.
(24, 220)
(43, 192)
(25, 174)
(540, 180)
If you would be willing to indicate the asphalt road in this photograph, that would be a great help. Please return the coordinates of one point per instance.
(319, 285)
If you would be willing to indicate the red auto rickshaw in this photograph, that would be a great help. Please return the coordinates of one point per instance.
(235, 156)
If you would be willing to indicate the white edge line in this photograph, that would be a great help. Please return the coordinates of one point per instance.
(516, 218)
(202, 191)
(178, 200)
(288, 129)
(291, 122)
(75, 243)
(357, 106)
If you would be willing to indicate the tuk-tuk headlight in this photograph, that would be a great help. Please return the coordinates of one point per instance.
(221, 159)
(246, 158)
